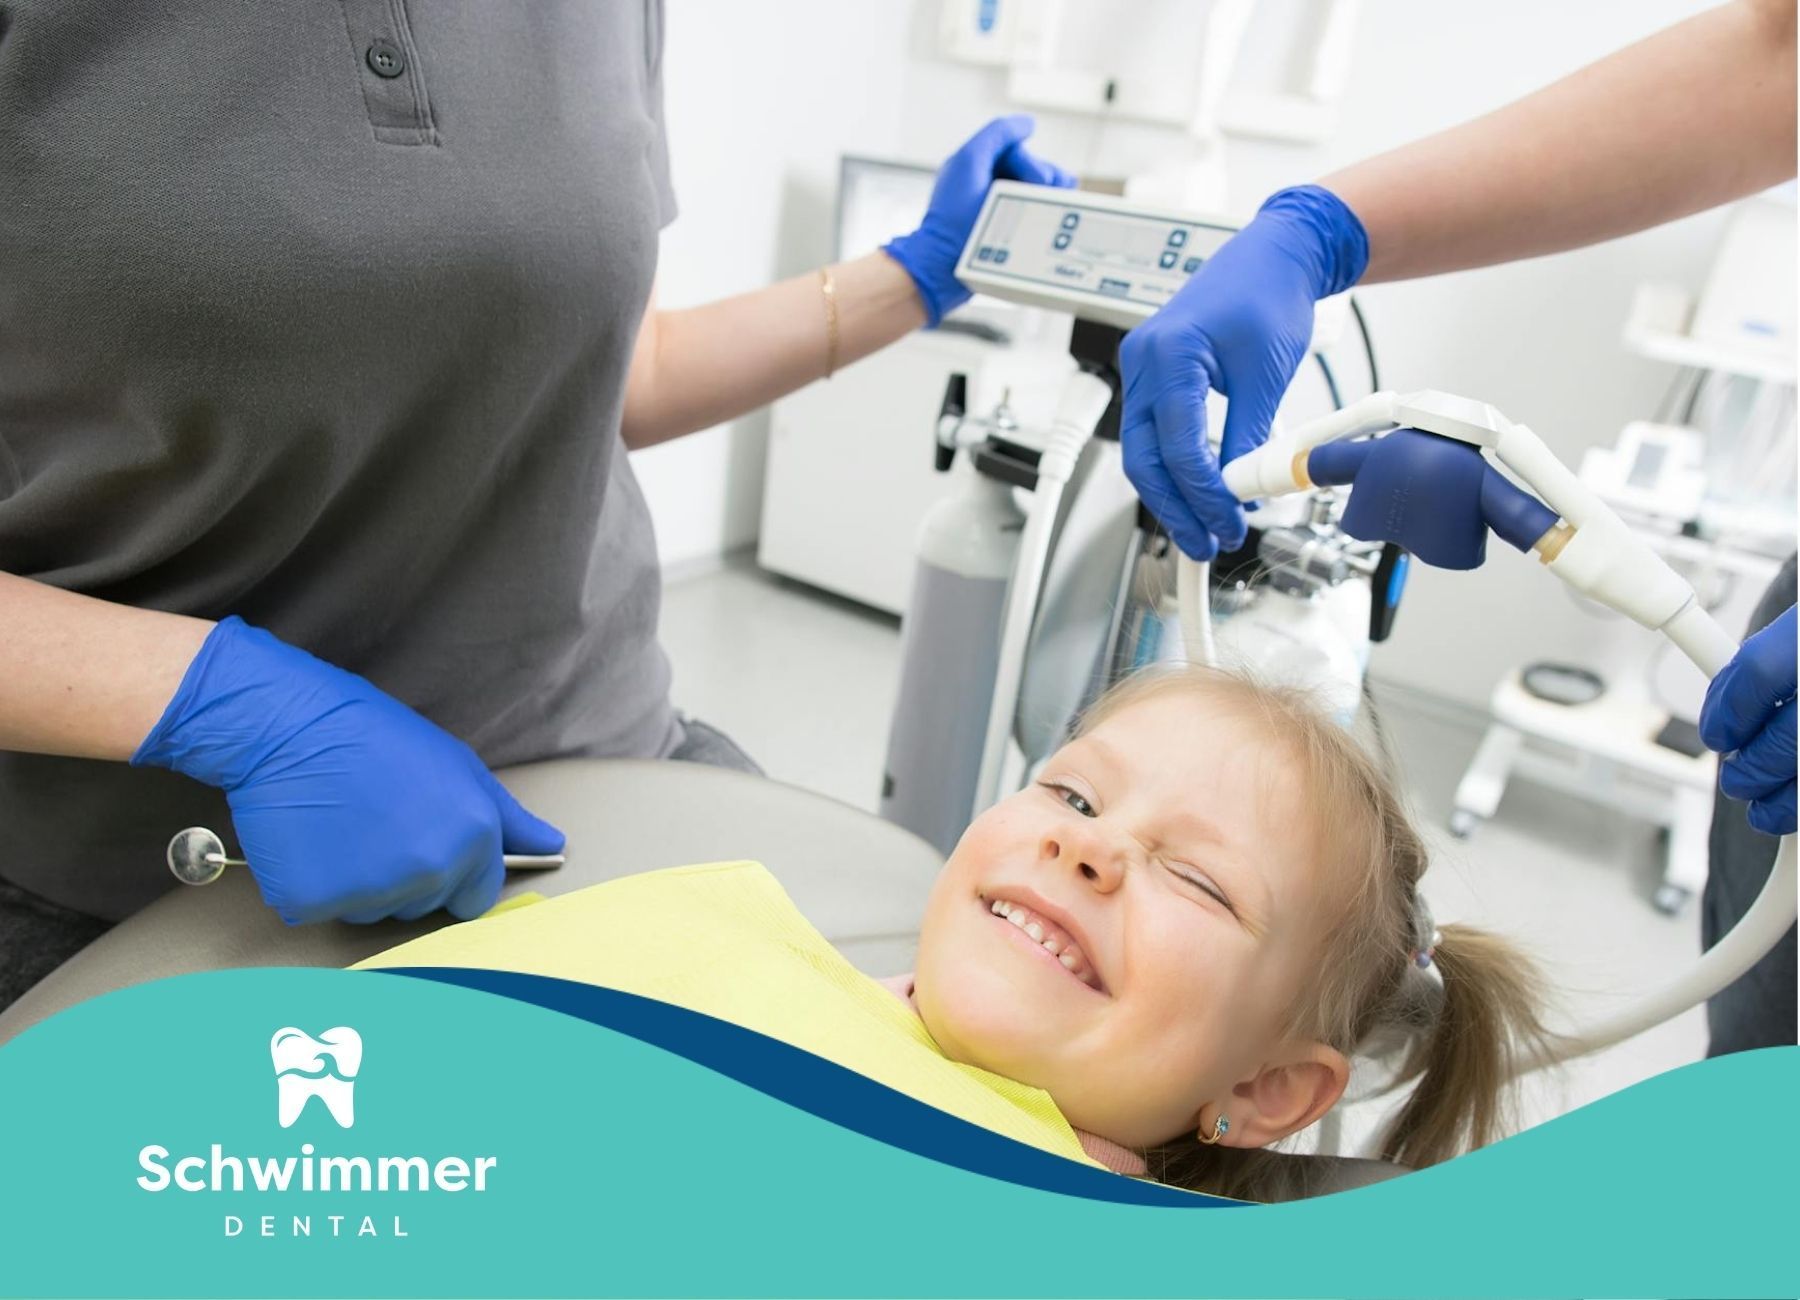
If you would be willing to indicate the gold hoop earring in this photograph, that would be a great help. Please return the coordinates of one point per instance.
(1221, 1126)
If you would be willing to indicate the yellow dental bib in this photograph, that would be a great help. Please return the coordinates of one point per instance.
(724, 939)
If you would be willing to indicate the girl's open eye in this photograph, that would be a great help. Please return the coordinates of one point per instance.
(1074, 798)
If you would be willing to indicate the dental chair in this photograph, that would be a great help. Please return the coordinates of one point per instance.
(862, 881)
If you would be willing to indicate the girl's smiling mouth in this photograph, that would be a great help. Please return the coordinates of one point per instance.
(1051, 941)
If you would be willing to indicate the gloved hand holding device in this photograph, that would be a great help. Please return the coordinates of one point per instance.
(348, 804)
(930, 253)
(1749, 717)
(1241, 325)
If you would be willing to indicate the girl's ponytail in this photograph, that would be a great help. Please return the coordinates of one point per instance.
(1485, 1019)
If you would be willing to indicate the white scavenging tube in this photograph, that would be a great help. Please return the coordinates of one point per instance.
(1268, 471)
(1084, 400)
(1196, 612)
(1700, 638)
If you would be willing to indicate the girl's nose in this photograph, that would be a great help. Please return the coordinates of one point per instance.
(1086, 848)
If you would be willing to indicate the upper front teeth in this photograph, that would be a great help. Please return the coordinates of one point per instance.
(1060, 945)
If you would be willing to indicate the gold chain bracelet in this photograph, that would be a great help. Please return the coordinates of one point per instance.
(828, 287)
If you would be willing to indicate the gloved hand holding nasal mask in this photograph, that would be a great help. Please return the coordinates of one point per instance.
(1749, 717)
(1241, 326)
(348, 804)
(930, 253)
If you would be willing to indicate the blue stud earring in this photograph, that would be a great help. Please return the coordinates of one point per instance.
(1221, 1126)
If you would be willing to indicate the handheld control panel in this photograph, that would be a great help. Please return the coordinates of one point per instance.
(1098, 257)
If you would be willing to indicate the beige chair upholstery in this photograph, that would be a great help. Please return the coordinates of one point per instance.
(861, 880)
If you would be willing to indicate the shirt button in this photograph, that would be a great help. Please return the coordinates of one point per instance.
(386, 60)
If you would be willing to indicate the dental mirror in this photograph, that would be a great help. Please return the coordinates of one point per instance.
(197, 857)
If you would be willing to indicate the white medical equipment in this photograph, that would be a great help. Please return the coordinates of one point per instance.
(1101, 258)
(1733, 343)
(877, 200)
(1655, 473)
(1008, 637)
(197, 856)
(1607, 751)
(1747, 304)
(1595, 553)
(1709, 484)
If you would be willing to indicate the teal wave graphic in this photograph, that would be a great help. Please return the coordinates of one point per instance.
(624, 1168)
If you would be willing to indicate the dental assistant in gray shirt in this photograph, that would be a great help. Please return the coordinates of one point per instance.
(325, 328)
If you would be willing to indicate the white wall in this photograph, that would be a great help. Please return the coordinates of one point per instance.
(763, 98)
(760, 100)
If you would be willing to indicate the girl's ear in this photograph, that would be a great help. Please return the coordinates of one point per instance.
(1285, 1095)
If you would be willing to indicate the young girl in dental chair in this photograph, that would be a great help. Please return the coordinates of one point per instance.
(1159, 957)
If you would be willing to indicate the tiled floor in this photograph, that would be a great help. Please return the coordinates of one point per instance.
(805, 682)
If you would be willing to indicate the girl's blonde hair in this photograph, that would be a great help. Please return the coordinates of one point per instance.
(1459, 1031)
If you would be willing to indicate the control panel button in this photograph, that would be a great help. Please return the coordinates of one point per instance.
(1071, 220)
(985, 253)
(1167, 259)
(1062, 240)
(999, 256)
(1177, 237)
(1191, 265)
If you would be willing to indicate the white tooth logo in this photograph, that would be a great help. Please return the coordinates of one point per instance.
(301, 1072)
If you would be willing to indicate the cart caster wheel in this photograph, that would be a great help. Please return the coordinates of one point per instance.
(1463, 823)
(1671, 899)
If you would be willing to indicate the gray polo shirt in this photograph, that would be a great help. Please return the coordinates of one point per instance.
(319, 313)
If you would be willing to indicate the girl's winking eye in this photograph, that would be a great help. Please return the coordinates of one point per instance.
(1184, 872)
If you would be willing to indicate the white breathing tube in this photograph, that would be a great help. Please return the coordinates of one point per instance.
(1084, 400)
(1593, 551)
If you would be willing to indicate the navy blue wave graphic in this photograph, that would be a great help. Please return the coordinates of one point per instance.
(813, 1084)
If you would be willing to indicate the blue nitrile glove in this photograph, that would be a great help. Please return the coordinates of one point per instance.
(1749, 717)
(929, 254)
(347, 803)
(1241, 325)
